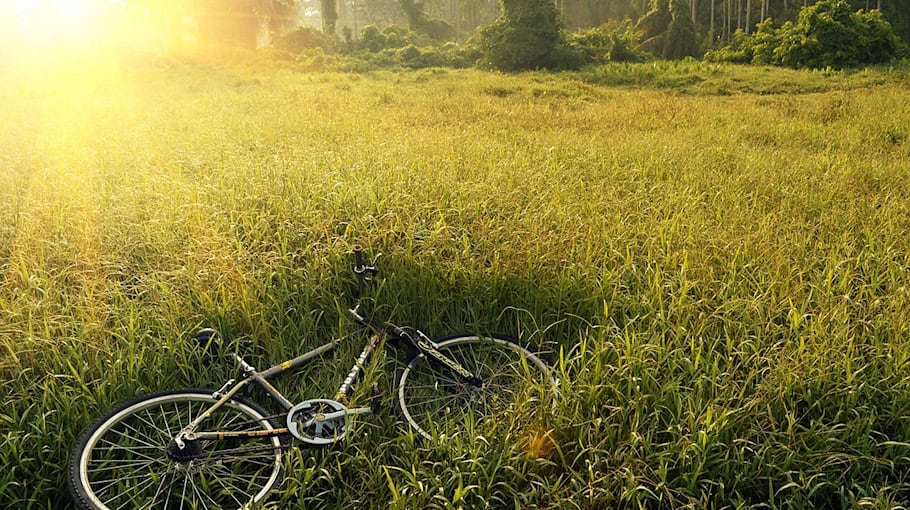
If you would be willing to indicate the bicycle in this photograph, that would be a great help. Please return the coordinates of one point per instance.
(206, 449)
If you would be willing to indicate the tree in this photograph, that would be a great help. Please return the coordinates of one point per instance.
(329, 16)
(527, 35)
(680, 40)
(826, 34)
(668, 30)
(656, 21)
(418, 21)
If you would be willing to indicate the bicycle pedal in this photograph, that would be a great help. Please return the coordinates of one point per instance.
(376, 399)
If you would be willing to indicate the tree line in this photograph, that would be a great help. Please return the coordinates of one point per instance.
(251, 22)
(716, 21)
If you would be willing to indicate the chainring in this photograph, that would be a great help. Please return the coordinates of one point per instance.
(318, 432)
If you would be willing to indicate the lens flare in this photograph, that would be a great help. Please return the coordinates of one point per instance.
(538, 443)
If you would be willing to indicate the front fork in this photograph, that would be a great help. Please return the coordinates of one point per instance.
(430, 349)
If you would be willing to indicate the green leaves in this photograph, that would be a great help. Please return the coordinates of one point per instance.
(826, 35)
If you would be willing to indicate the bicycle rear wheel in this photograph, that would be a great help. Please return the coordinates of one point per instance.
(437, 403)
(127, 459)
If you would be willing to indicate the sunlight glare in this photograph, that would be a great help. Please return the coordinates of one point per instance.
(58, 22)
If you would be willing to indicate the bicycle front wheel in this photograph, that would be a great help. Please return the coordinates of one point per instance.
(128, 459)
(437, 403)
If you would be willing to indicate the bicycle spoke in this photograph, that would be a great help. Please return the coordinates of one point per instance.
(114, 481)
(202, 495)
(231, 476)
(183, 494)
(129, 498)
(158, 491)
(132, 447)
(133, 438)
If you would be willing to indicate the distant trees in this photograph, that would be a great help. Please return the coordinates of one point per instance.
(242, 22)
(827, 34)
(522, 34)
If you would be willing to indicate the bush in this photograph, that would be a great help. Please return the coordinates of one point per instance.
(393, 48)
(527, 35)
(827, 34)
(612, 41)
(739, 51)
(305, 38)
(390, 38)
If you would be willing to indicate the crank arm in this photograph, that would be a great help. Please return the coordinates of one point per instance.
(337, 415)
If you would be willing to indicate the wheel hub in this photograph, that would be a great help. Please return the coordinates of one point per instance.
(191, 450)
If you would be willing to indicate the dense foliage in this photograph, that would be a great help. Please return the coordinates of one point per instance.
(680, 40)
(527, 35)
(610, 42)
(827, 34)
(303, 39)
(715, 21)
(436, 29)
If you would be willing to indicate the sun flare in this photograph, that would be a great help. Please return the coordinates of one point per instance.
(59, 22)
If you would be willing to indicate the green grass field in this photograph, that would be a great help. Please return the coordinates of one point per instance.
(718, 259)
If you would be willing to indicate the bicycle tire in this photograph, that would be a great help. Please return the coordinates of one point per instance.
(146, 428)
(436, 403)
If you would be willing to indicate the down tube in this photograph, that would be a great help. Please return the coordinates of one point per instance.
(358, 365)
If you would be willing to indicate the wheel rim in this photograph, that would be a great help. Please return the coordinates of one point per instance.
(433, 401)
(125, 462)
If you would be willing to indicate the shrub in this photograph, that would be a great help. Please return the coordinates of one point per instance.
(739, 51)
(397, 36)
(391, 37)
(305, 38)
(764, 43)
(372, 39)
(438, 30)
(612, 41)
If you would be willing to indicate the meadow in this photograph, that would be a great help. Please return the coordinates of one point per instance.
(716, 258)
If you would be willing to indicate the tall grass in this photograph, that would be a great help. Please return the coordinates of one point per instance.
(723, 281)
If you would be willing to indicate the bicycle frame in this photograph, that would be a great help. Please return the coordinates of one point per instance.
(251, 375)
(381, 331)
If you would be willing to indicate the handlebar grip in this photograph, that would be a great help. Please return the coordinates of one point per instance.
(358, 258)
